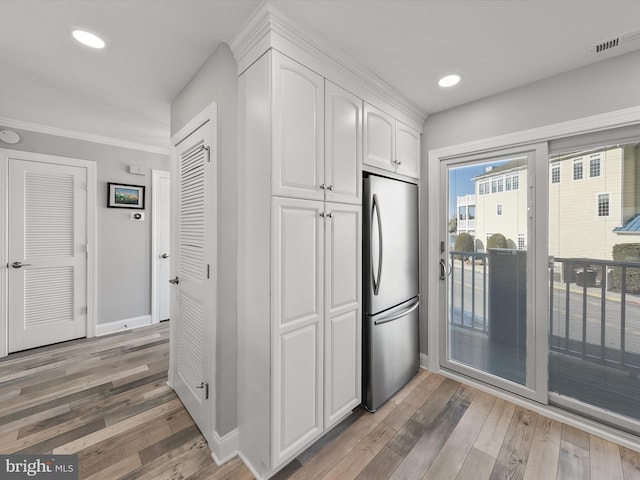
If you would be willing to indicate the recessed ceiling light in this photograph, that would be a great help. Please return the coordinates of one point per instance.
(88, 39)
(450, 80)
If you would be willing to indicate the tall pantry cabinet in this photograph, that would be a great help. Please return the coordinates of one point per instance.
(299, 267)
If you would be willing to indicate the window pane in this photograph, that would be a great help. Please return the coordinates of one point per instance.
(594, 242)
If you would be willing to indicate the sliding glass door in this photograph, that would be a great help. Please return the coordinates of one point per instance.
(487, 271)
(594, 287)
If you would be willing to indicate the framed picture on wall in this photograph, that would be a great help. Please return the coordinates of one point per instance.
(125, 196)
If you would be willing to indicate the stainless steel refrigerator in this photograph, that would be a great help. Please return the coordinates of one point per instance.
(390, 288)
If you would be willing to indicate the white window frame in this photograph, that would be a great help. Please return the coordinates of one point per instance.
(577, 161)
(499, 209)
(500, 182)
(599, 157)
(608, 194)
(555, 167)
(522, 241)
(515, 182)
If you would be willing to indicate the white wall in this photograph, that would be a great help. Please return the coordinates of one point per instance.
(217, 80)
(607, 86)
(124, 246)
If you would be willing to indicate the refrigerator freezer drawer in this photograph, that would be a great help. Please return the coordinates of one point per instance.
(391, 356)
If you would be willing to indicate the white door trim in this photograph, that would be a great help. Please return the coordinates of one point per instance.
(155, 178)
(5, 154)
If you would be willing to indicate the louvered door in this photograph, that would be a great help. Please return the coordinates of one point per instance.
(47, 253)
(195, 268)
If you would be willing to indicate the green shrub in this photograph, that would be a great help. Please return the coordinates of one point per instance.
(627, 252)
(497, 240)
(464, 243)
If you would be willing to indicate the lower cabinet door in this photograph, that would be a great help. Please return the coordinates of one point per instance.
(343, 324)
(297, 326)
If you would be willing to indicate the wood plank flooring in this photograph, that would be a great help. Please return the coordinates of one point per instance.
(106, 399)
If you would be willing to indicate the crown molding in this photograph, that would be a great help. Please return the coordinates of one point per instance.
(268, 27)
(87, 137)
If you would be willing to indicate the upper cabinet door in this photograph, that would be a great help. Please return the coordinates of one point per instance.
(297, 130)
(407, 150)
(379, 138)
(343, 145)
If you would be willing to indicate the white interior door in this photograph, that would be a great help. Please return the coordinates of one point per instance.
(47, 252)
(162, 251)
(194, 334)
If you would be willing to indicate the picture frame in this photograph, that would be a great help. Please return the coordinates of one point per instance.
(121, 195)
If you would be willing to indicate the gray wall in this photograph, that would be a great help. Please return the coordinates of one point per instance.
(217, 80)
(603, 87)
(124, 246)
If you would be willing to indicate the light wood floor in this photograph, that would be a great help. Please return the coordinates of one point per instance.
(107, 400)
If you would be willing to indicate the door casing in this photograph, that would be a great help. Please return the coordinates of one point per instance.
(5, 155)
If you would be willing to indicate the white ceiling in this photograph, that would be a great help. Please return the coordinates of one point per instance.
(155, 46)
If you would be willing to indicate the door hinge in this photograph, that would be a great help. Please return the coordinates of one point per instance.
(208, 149)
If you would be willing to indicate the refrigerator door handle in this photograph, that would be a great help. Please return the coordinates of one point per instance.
(403, 313)
(375, 207)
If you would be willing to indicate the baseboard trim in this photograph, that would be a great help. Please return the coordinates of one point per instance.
(248, 464)
(121, 325)
(424, 361)
(224, 448)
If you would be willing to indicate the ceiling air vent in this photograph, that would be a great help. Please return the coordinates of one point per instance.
(615, 43)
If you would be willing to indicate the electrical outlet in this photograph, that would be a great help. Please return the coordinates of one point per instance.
(139, 216)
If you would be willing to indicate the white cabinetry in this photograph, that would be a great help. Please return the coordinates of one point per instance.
(407, 150)
(297, 130)
(343, 322)
(297, 324)
(299, 259)
(343, 145)
(390, 144)
(379, 138)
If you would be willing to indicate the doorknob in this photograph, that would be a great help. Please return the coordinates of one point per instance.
(20, 265)
(205, 386)
(164, 255)
(174, 281)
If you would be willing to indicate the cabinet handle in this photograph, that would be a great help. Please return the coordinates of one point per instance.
(398, 162)
(330, 187)
(323, 186)
(330, 215)
(321, 214)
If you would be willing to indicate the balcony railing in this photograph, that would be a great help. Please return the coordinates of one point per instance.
(594, 306)
(596, 318)
(469, 267)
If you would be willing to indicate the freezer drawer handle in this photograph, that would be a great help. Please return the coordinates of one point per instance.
(376, 279)
(404, 313)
